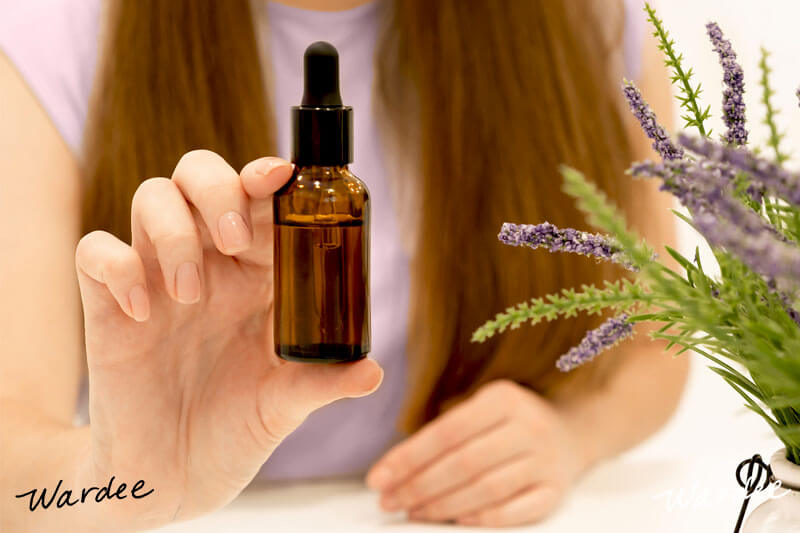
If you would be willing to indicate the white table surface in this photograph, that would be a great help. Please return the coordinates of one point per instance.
(680, 480)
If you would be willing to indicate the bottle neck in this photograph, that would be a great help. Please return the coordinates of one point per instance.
(321, 172)
(322, 135)
(322, 168)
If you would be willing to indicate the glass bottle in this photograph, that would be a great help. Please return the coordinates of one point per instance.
(321, 224)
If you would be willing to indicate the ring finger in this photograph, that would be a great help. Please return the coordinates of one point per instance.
(528, 506)
(459, 466)
(161, 216)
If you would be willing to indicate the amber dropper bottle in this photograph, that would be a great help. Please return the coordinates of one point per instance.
(321, 219)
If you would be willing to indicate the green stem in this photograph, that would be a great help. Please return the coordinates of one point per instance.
(689, 100)
(775, 136)
(620, 296)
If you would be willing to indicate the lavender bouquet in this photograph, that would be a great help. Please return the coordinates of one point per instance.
(747, 207)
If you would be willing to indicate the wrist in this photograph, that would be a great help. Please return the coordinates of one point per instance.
(46, 460)
(116, 502)
(578, 421)
(48, 465)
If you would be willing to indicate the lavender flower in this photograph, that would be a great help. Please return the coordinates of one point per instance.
(786, 299)
(744, 234)
(728, 209)
(789, 308)
(798, 96)
(661, 141)
(696, 184)
(569, 240)
(762, 172)
(595, 341)
(707, 189)
(733, 96)
(718, 201)
(756, 192)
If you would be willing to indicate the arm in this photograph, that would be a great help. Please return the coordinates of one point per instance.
(41, 351)
(646, 387)
(506, 455)
(186, 392)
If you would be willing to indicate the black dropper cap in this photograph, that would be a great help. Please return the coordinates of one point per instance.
(322, 128)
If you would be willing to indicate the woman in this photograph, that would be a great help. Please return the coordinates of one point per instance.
(474, 106)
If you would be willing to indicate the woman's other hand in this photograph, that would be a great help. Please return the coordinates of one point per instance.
(186, 391)
(505, 456)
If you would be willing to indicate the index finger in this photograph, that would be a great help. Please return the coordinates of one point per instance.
(263, 176)
(260, 179)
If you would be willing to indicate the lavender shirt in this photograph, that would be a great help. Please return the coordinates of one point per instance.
(53, 44)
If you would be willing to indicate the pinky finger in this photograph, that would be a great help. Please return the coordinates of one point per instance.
(526, 507)
(111, 273)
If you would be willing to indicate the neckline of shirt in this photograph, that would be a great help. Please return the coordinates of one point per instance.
(277, 10)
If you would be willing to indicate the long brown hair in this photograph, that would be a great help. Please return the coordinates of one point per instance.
(502, 92)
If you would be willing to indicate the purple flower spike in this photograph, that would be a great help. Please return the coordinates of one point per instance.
(744, 234)
(798, 96)
(696, 185)
(733, 96)
(569, 240)
(597, 340)
(786, 300)
(790, 310)
(661, 141)
(762, 172)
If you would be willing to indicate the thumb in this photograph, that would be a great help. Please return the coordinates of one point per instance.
(295, 390)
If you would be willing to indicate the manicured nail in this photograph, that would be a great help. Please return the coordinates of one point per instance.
(380, 478)
(233, 232)
(187, 283)
(140, 303)
(269, 164)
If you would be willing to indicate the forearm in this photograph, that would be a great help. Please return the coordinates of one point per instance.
(639, 397)
(37, 453)
(634, 402)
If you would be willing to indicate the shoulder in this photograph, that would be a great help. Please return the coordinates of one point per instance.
(634, 31)
(53, 46)
(622, 28)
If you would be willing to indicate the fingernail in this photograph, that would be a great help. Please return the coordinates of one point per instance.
(266, 166)
(187, 283)
(140, 303)
(233, 232)
(380, 477)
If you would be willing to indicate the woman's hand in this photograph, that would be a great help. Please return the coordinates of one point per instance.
(185, 390)
(503, 457)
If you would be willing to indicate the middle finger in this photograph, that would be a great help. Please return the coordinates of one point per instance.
(458, 466)
(215, 190)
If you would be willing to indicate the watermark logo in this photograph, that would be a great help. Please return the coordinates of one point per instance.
(67, 498)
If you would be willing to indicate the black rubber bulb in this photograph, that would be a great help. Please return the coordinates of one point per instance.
(321, 62)
(322, 128)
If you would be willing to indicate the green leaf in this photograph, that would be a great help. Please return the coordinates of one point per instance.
(677, 256)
